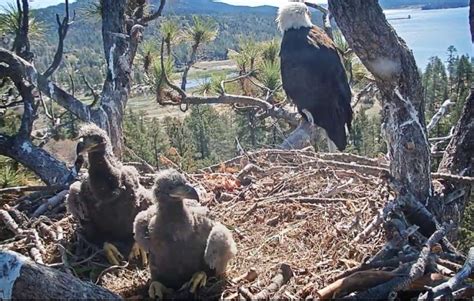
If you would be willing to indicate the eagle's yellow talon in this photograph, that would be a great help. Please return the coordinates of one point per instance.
(112, 253)
(138, 252)
(157, 290)
(198, 280)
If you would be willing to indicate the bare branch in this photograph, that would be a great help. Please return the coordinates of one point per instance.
(154, 15)
(368, 90)
(326, 17)
(19, 69)
(443, 110)
(93, 92)
(449, 287)
(62, 32)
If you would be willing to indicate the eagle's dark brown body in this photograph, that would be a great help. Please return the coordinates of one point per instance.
(315, 79)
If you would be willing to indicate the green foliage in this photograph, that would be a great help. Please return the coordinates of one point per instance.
(171, 32)
(466, 231)
(201, 31)
(366, 136)
(435, 83)
(158, 83)
(269, 74)
(145, 137)
(9, 23)
(12, 174)
(270, 51)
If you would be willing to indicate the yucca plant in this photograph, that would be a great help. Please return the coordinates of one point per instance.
(149, 52)
(9, 24)
(270, 51)
(171, 33)
(158, 83)
(269, 74)
(203, 30)
(9, 177)
(250, 50)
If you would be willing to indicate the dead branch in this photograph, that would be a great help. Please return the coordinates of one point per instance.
(19, 189)
(368, 90)
(153, 16)
(281, 278)
(95, 96)
(63, 27)
(358, 281)
(9, 222)
(326, 17)
(393, 262)
(443, 110)
(418, 269)
(448, 288)
(51, 203)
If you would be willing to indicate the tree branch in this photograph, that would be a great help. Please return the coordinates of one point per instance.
(441, 112)
(62, 32)
(153, 16)
(19, 69)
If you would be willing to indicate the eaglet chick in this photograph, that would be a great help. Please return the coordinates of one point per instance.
(106, 202)
(182, 242)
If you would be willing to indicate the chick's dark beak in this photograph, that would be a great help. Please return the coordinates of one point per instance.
(80, 148)
(185, 192)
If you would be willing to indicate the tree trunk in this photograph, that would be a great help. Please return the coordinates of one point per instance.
(189, 64)
(458, 160)
(119, 51)
(471, 20)
(387, 57)
(26, 280)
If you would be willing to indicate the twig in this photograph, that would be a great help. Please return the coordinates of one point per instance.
(283, 276)
(29, 188)
(111, 268)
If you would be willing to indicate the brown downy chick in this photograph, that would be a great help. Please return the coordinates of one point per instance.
(106, 202)
(183, 243)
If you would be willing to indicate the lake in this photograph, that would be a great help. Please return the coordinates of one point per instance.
(430, 32)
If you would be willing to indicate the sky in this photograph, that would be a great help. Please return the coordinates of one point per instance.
(45, 3)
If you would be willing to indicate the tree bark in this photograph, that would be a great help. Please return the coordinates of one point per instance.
(471, 19)
(458, 160)
(388, 58)
(46, 167)
(26, 280)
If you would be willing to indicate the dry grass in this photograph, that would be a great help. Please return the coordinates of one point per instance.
(296, 210)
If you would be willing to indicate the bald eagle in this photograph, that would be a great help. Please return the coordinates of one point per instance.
(183, 243)
(313, 74)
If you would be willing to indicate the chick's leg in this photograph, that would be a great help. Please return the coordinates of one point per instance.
(198, 280)
(157, 290)
(112, 253)
(138, 252)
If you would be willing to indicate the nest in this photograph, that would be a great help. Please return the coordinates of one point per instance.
(300, 221)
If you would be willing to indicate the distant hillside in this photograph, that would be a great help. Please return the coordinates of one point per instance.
(425, 4)
(84, 42)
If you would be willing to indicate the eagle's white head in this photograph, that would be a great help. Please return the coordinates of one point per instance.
(293, 15)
